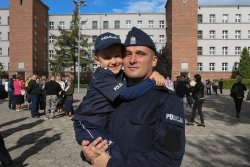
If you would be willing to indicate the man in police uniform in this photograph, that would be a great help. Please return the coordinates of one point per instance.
(150, 130)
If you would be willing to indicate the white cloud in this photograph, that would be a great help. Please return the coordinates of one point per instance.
(143, 6)
(149, 6)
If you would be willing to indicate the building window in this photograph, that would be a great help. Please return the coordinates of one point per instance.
(211, 66)
(83, 24)
(199, 67)
(200, 51)
(236, 66)
(162, 38)
(128, 23)
(117, 24)
(162, 24)
(0, 36)
(1, 51)
(51, 39)
(237, 34)
(212, 50)
(212, 18)
(0, 20)
(238, 18)
(199, 34)
(151, 24)
(105, 24)
(224, 66)
(21, 2)
(248, 34)
(224, 34)
(248, 17)
(51, 53)
(61, 24)
(212, 34)
(237, 50)
(248, 50)
(51, 25)
(8, 20)
(94, 24)
(225, 18)
(8, 36)
(94, 38)
(139, 24)
(224, 50)
(200, 19)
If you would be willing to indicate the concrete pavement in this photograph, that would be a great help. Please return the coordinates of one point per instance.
(225, 141)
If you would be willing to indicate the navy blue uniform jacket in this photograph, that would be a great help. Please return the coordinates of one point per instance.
(150, 130)
(104, 88)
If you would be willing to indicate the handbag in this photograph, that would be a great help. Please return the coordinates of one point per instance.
(23, 92)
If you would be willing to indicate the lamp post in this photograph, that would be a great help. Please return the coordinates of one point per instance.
(78, 5)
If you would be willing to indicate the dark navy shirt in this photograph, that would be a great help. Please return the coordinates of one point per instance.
(150, 130)
(104, 88)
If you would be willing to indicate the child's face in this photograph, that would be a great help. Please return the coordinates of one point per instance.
(110, 58)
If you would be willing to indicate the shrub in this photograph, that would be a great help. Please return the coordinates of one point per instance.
(228, 83)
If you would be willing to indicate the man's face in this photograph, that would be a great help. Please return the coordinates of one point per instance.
(139, 62)
(110, 58)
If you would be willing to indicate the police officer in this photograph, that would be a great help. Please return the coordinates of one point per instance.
(150, 129)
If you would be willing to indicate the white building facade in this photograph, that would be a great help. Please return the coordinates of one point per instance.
(93, 25)
(4, 38)
(223, 32)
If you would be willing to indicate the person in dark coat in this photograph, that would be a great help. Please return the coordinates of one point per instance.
(34, 90)
(106, 87)
(198, 96)
(5, 157)
(149, 130)
(221, 86)
(68, 99)
(237, 92)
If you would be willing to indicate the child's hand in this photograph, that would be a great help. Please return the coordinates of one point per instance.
(159, 79)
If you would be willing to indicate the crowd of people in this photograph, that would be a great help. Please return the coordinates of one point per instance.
(49, 95)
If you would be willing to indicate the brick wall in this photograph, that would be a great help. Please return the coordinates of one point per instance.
(182, 35)
(22, 39)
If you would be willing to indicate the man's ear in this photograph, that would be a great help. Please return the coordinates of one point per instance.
(154, 60)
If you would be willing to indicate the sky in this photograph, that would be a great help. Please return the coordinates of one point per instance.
(119, 6)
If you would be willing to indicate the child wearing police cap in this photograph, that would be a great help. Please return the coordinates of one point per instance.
(107, 86)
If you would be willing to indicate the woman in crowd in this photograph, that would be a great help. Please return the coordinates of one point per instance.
(68, 102)
(18, 88)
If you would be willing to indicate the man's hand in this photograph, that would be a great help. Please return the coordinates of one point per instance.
(159, 79)
(98, 144)
(102, 159)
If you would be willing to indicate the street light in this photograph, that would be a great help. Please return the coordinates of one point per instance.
(79, 4)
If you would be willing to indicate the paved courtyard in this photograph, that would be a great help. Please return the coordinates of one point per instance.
(224, 142)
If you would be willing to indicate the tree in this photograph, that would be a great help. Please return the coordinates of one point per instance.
(164, 63)
(66, 48)
(244, 65)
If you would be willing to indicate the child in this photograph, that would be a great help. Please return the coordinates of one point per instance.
(106, 87)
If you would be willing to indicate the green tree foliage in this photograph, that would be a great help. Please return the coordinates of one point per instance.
(66, 48)
(164, 63)
(244, 66)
